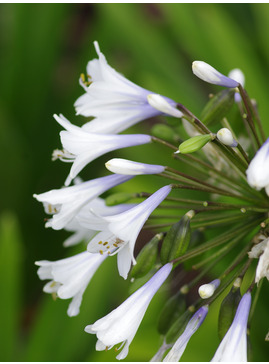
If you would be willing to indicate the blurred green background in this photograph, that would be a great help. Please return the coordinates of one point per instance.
(44, 48)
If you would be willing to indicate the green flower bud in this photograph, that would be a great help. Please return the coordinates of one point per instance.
(171, 311)
(218, 106)
(177, 239)
(195, 143)
(227, 310)
(146, 258)
(163, 131)
(118, 198)
(178, 327)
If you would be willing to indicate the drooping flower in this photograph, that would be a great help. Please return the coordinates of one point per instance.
(207, 290)
(123, 230)
(233, 347)
(180, 345)
(88, 213)
(258, 171)
(209, 74)
(71, 199)
(82, 147)
(261, 251)
(124, 166)
(121, 325)
(70, 277)
(115, 102)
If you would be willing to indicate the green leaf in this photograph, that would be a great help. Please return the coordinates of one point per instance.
(11, 257)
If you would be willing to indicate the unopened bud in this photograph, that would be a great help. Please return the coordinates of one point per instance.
(209, 74)
(124, 166)
(225, 136)
(195, 143)
(207, 290)
(161, 104)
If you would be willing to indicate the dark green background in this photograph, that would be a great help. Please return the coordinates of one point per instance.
(44, 48)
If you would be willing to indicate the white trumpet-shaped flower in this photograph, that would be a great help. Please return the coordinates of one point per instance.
(180, 345)
(233, 347)
(124, 166)
(88, 213)
(209, 74)
(70, 277)
(123, 229)
(70, 200)
(258, 171)
(82, 147)
(121, 325)
(115, 102)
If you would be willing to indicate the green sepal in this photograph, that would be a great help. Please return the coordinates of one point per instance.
(177, 327)
(164, 131)
(177, 240)
(147, 257)
(227, 311)
(117, 198)
(218, 107)
(195, 143)
(171, 311)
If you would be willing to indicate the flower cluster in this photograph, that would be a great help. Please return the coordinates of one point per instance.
(225, 175)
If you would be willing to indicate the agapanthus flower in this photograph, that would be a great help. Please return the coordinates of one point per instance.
(123, 230)
(207, 290)
(233, 347)
(180, 345)
(70, 277)
(71, 199)
(88, 213)
(82, 147)
(258, 171)
(115, 102)
(121, 325)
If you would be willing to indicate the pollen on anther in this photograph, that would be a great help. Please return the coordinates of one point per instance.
(105, 243)
(109, 252)
(115, 244)
(100, 242)
(108, 247)
(101, 252)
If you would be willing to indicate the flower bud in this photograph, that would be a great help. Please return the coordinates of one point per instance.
(218, 107)
(146, 257)
(124, 166)
(161, 104)
(195, 143)
(207, 290)
(209, 74)
(225, 136)
(163, 131)
(258, 171)
(177, 239)
(227, 310)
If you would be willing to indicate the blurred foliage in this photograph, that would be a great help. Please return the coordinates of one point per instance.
(44, 48)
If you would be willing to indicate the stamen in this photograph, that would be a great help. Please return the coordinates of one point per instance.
(100, 242)
(108, 247)
(101, 252)
(105, 243)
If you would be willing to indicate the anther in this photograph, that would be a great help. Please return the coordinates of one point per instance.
(105, 243)
(100, 242)
(101, 252)
(108, 247)
(115, 244)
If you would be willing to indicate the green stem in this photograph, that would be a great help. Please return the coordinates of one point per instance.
(249, 118)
